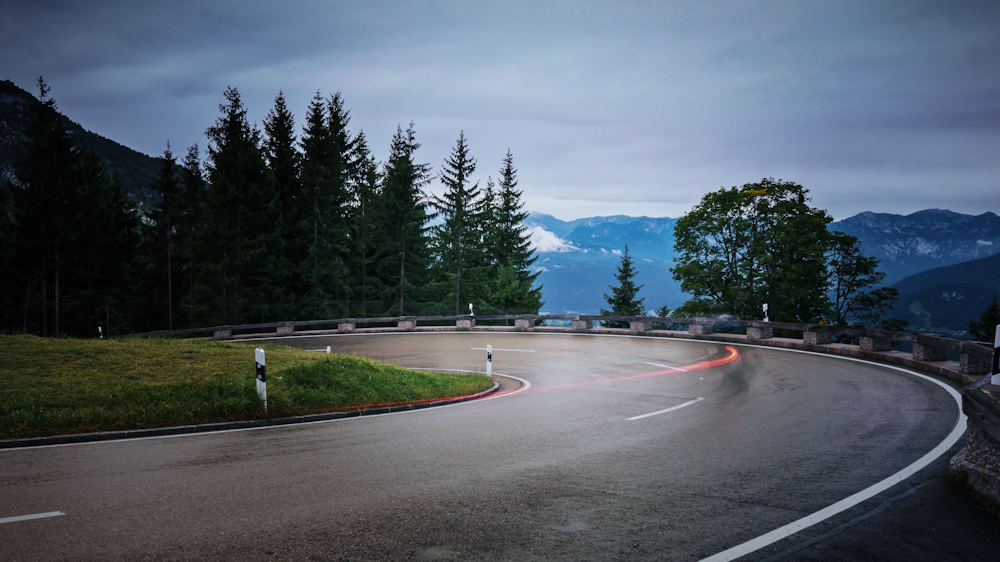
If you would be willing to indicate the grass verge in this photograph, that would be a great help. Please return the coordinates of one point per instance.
(61, 386)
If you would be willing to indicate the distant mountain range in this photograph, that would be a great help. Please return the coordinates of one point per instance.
(135, 169)
(579, 259)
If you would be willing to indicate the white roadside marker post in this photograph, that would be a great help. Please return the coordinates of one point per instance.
(258, 354)
(100, 332)
(765, 313)
(470, 310)
(489, 360)
(996, 358)
(328, 349)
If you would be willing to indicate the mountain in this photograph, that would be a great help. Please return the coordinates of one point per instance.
(944, 299)
(136, 170)
(924, 240)
(578, 260)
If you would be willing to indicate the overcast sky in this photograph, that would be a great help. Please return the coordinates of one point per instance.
(608, 108)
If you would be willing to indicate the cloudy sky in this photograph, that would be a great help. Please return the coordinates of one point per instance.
(609, 108)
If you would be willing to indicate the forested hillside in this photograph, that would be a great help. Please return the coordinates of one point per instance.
(273, 224)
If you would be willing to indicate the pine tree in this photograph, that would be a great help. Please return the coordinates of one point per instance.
(624, 299)
(456, 247)
(984, 329)
(194, 193)
(282, 157)
(401, 218)
(240, 230)
(165, 216)
(511, 247)
(365, 191)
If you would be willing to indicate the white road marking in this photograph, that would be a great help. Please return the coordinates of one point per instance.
(678, 407)
(34, 516)
(498, 349)
(666, 367)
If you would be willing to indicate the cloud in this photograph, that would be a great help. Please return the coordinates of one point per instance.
(543, 241)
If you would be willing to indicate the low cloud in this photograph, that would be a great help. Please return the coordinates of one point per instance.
(543, 241)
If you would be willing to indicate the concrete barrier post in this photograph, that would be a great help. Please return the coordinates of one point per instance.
(523, 324)
(816, 337)
(465, 324)
(406, 324)
(346, 327)
(286, 330)
(874, 343)
(973, 359)
(640, 325)
(581, 325)
(927, 348)
(224, 333)
(701, 328)
(759, 333)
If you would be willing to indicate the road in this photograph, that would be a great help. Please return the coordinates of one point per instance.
(570, 468)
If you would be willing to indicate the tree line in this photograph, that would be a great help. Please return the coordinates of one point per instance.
(270, 225)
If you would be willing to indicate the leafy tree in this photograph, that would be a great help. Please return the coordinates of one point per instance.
(624, 299)
(401, 216)
(984, 329)
(457, 245)
(854, 280)
(759, 243)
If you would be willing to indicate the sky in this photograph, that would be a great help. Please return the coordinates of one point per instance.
(633, 108)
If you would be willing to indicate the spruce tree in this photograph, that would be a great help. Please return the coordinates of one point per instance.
(624, 299)
(510, 244)
(401, 218)
(165, 217)
(195, 194)
(984, 329)
(363, 260)
(456, 244)
(282, 157)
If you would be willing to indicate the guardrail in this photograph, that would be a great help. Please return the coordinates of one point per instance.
(977, 465)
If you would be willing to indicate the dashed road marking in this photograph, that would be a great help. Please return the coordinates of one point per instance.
(678, 407)
(33, 516)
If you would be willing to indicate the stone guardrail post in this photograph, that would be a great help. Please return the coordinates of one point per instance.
(465, 324)
(581, 325)
(702, 327)
(346, 327)
(973, 359)
(640, 325)
(222, 334)
(286, 330)
(523, 324)
(874, 342)
(755, 332)
(408, 324)
(926, 347)
(816, 336)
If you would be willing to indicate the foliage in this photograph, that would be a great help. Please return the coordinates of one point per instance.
(854, 279)
(984, 329)
(624, 299)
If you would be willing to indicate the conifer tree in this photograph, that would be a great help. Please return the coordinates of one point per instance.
(401, 216)
(457, 247)
(365, 190)
(984, 329)
(624, 299)
(514, 287)
(282, 158)
(165, 216)
(194, 193)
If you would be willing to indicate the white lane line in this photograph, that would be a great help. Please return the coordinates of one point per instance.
(34, 516)
(498, 349)
(678, 407)
(525, 385)
(666, 367)
(854, 499)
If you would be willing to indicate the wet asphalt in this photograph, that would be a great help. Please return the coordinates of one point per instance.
(553, 472)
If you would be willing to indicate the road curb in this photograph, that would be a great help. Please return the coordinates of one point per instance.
(229, 426)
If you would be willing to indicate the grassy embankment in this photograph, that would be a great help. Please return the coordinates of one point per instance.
(61, 386)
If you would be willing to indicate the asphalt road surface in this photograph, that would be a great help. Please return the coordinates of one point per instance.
(742, 441)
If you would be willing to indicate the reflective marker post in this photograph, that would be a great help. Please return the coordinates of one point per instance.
(489, 360)
(258, 354)
(996, 358)
(765, 313)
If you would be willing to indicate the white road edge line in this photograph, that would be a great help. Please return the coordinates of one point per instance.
(666, 366)
(34, 516)
(854, 499)
(498, 349)
(678, 407)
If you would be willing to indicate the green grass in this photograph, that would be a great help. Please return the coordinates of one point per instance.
(60, 386)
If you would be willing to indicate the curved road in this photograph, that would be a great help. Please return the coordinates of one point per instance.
(572, 468)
